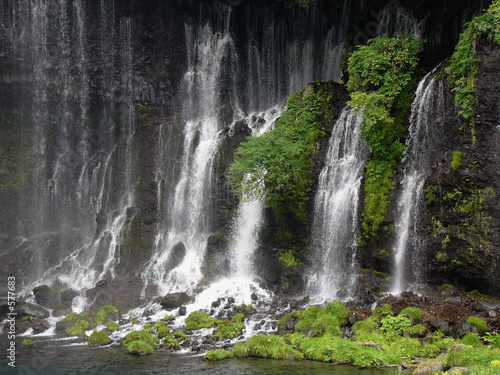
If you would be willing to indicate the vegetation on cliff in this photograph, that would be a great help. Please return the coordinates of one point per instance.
(381, 79)
(278, 164)
(463, 63)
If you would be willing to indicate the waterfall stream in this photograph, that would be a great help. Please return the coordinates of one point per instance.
(333, 272)
(428, 104)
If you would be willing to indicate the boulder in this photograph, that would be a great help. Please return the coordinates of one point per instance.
(429, 367)
(26, 308)
(174, 300)
(458, 371)
(45, 296)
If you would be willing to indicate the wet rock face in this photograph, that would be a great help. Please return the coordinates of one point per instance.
(460, 218)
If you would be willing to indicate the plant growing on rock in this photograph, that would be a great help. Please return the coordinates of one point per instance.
(199, 319)
(98, 339)
(142, 340)
(381, 76)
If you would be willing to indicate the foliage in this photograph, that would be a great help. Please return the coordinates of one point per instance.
(364, 325)
(417, 330)
(479, 323)
(472, 357)
(271, 346)
(218, 355)
(140, 347)
(79, 328)
(288, 258)
(179, 334)
(457, 160)
(163, 331)
(493, 339)
(170, 342)
(101, 316)
(413, 312)
(229, 330)
(380, 312)
(463, 63)
(142, 336)
(199, 319)
(277, 164)
(395, 323)
(381, 75)
(143, 110)
(27, 342)
(99, 338)
(471, 339)
(168, 318)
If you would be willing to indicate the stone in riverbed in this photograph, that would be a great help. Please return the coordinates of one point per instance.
(174, 300)
(26, 308)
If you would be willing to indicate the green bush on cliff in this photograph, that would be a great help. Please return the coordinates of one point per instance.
(381, 78)
(98, 338)
(277, 164)
(463, 63)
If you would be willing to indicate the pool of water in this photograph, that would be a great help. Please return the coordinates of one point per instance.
(50, 357)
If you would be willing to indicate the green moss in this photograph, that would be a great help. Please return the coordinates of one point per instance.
(158, 325)
(171, 343)
(140, 347)
(479, 323)
(168, 318)
(27, 342)
(98, 338)
(113, 326)
(381, 79)
(413, 312)
(288, 258)
(199, 319)
(134, 321)
(163, 331)
(179, 334)
(271, 346)
(457, 160)
(471, 339)
(417, 330)
(229, 330)
(79, 328)
(368, 325)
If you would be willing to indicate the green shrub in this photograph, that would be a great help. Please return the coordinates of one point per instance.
(140, 336)
(471, 339)
(163, 331)
(417, 330)
(99, 338)
(413, 312)
(168, 318)
(338, 310)
(218, 355)
(240, 350)
(471, 358)
(380, 312)
(282, 160)
(228, 330)
(199, 319)
(368, 325)
(395, 323)
(140, 347)
(306, 318)
(457, 160)
(171, 343)
(157, 325)
(238, 318)
(271, 346)
(479, 323)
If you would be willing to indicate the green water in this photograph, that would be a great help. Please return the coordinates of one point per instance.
(56, 357)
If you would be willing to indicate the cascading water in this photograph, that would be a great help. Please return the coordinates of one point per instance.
(333, 272)
(428, 104)
(74, 173)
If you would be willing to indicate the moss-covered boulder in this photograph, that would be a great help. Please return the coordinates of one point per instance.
(98, 339)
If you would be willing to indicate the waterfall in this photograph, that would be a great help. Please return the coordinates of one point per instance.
(333, 272)
(427, 109)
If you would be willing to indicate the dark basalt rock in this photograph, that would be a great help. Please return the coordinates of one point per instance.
(174, 300)
(29, 309)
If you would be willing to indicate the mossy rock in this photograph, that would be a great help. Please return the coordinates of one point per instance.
(163, 331)
(113, 326)
(140, 336)
(27, 342)
(98, 339)
(140, 347)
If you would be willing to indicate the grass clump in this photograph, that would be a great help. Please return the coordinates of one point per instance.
(479, 323)
(144, 338)
(457, 160)
(171, 342)
(163, 331)
(230, 330)
(140, 348)
(199, 319)
(272, 346)
(414, 313)
(218, 355)
(417, 330)
(101, 316)
(473, 358)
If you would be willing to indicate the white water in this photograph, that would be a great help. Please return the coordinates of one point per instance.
(428, 105)
(333, 273)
